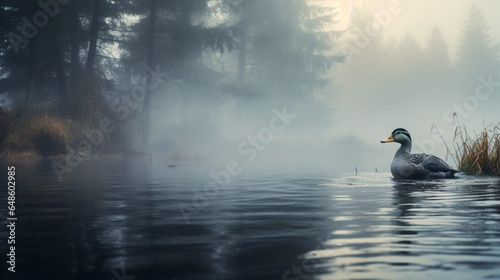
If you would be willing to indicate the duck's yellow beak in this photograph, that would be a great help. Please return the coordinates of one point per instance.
(388, 140)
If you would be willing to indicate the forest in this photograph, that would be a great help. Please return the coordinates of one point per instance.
(77, 63)
(112, 74)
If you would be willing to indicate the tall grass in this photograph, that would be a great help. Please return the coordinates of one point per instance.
(43, 134)
(478, 154)
(48, 133)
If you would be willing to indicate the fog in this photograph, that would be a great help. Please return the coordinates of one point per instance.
(291, 85)
(384, 99)
(384, 85)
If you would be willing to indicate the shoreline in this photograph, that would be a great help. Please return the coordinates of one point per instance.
(26, 156)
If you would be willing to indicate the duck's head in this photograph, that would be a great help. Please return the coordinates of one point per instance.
(399, 135)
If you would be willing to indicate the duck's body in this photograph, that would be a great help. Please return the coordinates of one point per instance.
(415, 166)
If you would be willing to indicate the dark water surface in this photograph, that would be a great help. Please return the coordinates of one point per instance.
(120, 219)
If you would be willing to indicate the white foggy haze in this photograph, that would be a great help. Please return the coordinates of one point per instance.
(370, 111)
(387, 84)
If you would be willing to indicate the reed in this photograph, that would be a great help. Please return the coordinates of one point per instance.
(42, 134)
(478, 154)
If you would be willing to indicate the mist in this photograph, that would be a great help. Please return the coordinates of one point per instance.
(402, 78)
(416, 74)
(241, 139)
(346, 73)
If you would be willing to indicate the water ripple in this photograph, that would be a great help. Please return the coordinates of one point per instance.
(447, 229)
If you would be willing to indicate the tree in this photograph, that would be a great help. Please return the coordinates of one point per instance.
(172, 37)
(20, 50)
(150, 65)
(285, 43)
(365, 53)
(476, 54)
(181, 33)
(438, 63)
(437, 50)
(40, 35)
(94, 32)
(79, 57)
(409, 52)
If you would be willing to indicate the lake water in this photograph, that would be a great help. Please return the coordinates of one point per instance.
(121, 219)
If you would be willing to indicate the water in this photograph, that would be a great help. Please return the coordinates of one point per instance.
(120, 219)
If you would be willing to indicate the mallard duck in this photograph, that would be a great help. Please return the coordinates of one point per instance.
(415, 166)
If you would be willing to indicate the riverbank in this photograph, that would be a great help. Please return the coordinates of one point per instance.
(33, 136)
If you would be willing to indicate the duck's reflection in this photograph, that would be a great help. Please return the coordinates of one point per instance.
(404, 201)
(407, 197)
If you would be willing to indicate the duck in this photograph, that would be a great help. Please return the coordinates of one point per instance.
(408, 166)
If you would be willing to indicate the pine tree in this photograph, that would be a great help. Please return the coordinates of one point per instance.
(41, 53)
(437, 50)
(285, 43)
(476, 55)
(364, 51)
(410, 52)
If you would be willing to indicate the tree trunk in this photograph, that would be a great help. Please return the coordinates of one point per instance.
(94, 31)
(242, 52)
(75, 54)
(146, 109)
(61, 78)
(30, 78)
(150, 55)
(87, 101)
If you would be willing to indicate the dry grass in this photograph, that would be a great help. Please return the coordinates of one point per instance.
(45, 135)
(7, 118)
(479, 154)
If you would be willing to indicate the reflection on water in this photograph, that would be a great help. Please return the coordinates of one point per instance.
(116, 217)
(437, 230)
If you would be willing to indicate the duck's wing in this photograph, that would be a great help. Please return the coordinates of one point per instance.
(430, 162)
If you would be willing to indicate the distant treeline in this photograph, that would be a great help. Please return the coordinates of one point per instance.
(405, 65)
